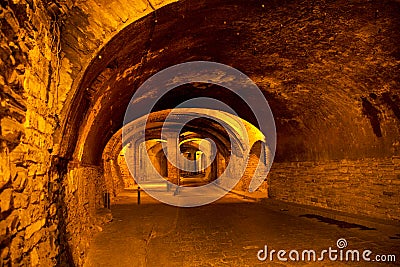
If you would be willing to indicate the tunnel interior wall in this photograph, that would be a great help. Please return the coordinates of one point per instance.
(84, 194)
(250, 170)
(30, 197)
(368, 186)
(128, 180)
(46, 219)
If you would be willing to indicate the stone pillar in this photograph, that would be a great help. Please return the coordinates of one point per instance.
(173, 172)
(132, 159)
(221, 165)
(108, 180)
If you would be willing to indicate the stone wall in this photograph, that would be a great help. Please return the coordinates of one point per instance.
(250, 172)
(44, 218)
(29, 196)
(368, 186)
(84, 187)
(127, 178)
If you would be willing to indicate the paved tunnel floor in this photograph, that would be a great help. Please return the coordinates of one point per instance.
(229, 232)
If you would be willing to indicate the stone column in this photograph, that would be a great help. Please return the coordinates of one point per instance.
(173, 172)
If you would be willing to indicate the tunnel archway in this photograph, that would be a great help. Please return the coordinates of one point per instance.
(331, 108)
(138, 145)
(311, 78)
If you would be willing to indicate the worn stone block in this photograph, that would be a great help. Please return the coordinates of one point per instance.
(16, 247)
(34, 257)
(21, 200)
(5, 253)
(388, 193)
(6, 200)
(20, 180)
(33, 228)
(11, 130)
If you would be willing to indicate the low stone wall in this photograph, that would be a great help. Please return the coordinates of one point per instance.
(83, 198)
(369, 186)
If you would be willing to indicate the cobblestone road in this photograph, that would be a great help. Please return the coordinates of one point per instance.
(229, 232)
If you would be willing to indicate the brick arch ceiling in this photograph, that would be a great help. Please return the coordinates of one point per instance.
(217, 132)
(330, 71)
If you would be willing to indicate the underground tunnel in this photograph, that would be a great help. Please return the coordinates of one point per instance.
(69, 69)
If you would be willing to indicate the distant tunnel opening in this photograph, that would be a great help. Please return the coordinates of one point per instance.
(204, 146)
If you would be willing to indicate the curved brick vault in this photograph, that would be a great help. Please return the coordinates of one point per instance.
(318, 80)
(329, 69)
(112, 177)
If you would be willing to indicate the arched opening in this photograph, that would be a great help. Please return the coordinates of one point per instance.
(198, 140)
